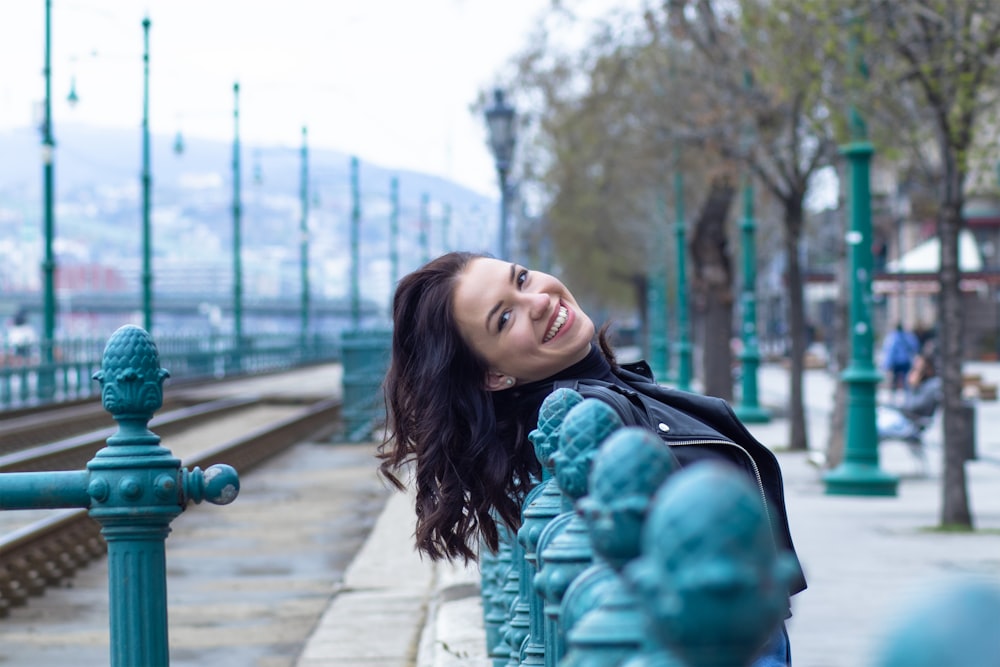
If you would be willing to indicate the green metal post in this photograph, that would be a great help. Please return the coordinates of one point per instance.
(304, 240)
(46, 378)
(749, 409)
(133, 488)
(393, 237)
(859, 473)
(355, 243)
(147, 183)
(683, 342)
(424, 240)
(656, 297)
(237, 230)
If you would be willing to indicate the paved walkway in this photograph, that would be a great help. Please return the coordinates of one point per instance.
(865, 558)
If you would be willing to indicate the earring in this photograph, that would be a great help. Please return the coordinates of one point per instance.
(509, 382)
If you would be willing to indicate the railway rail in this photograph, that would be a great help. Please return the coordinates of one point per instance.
(48, 551)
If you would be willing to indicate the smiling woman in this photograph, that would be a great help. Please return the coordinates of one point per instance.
(524, 324)
(478, 343)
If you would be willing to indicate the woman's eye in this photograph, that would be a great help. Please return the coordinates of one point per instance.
(522, 277)
(502, 320)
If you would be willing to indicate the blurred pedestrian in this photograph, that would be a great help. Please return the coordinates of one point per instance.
(898, 349)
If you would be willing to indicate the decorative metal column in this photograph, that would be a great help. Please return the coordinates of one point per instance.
(304, 240)
(859, 473)
(355, 244)
(237, 228)
(147, 187)
(134, 488)
(749, 409)
(46, 376)
(502, 130)
(656, 297)
(683, 342)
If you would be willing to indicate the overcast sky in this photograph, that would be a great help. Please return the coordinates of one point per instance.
(388, 80)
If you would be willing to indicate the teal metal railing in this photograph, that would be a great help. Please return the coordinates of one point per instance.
(625, 560)
(365, 357)
(26, 380)
(133, 488)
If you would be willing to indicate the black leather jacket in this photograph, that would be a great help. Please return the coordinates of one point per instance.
(696, 427)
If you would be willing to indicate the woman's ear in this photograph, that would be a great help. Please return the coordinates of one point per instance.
(498, 381)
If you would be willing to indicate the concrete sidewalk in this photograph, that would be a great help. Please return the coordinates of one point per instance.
(865, 558)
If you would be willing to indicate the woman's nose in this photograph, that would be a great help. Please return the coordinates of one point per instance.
(538, 305)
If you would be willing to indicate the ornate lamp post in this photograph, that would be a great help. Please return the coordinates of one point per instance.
(237, 225)
(859, 473)
(683, 342)
(656, 297)
(46, 379)
(355, 242)
(749, 409)
(147, 187)
(502, 130)
(304, 237)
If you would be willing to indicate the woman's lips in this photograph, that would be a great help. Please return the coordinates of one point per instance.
(570, 316)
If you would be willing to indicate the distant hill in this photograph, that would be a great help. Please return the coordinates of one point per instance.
(89, 157)
(98, 221)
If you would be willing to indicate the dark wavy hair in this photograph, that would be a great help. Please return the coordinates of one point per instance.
(471, 468)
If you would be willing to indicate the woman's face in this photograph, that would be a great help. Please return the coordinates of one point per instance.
(525, 324)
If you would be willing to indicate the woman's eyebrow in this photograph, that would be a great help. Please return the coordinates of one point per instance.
(499, 304)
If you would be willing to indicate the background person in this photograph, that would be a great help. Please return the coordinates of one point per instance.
(898, 349)
(921, 398)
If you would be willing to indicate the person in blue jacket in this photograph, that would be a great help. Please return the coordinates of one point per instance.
(478, 343)
(898, 350)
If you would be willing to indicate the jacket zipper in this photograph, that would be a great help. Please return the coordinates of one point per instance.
(756, 470)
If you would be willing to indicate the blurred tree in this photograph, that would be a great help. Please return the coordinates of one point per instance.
(941, 60)
(778, 52)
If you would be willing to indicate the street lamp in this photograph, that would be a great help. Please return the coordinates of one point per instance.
(355, 236)
(237, 228)
(680, 229)
(46, 380)
(304, 237)
(147, 185)
(502, 130)
(859, 473)
(749, 409)
(656, 297)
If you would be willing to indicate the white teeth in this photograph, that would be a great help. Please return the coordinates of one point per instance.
(560, 320)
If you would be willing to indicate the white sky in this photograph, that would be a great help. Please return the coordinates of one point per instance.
(388, 80)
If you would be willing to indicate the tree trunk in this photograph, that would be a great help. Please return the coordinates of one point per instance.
(955, 498)
(712, 286)
(798, 438)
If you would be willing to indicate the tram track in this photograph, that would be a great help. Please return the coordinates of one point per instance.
(37, 554)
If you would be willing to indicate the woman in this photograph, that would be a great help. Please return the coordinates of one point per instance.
(478, 343)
